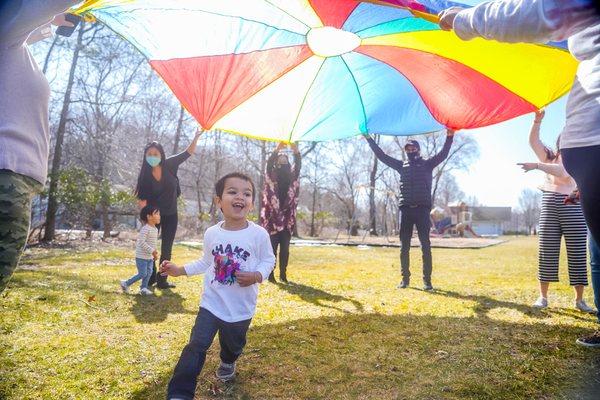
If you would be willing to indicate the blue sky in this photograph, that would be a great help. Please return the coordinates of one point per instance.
(494, 178)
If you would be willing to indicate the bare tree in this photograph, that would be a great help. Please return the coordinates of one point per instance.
(448, 190)
(348, 165)
(179, 129)
(372, 184)
(107, 93)
(60, 135)
(463, 152)
(315, 177)
(529, 203)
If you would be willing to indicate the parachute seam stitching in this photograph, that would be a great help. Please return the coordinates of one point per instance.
(285, 12)
(304, 100)
(467, 66)
(362, 104)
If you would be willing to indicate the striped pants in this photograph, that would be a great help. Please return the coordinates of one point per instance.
(557, 220)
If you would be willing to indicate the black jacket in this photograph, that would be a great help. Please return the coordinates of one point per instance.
(415, 177)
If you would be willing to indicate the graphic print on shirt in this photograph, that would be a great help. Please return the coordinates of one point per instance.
(228, 261)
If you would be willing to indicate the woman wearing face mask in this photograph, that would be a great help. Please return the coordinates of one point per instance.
(280, 199)
(158, 185)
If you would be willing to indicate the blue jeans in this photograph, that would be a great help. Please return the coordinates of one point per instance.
(232, 338)
(595, 267)
(144, 268)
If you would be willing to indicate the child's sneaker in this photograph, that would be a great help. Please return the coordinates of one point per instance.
(582, 306)
(225, 371)
(541, 302)
(590, 341)
(145, 292)
(124, 287)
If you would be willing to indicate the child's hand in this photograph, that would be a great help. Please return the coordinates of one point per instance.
(247, 278)
(155, 255)
(167, 268)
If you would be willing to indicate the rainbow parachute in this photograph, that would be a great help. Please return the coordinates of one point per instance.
(316, 70)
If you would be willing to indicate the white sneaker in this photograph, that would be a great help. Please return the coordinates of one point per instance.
(583, 307)
(541, 302)
(145, 292)
(124, 287)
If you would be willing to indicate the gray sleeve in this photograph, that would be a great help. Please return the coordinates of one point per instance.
(531, 21)
(20, 18)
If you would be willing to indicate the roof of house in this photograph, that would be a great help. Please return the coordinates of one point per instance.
(491, 213)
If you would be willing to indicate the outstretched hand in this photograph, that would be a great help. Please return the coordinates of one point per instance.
(167, 268)
(450, 132)
(447, 17)
(528, 166)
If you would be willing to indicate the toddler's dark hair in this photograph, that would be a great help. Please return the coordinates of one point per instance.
(147, 210)
(220, 185)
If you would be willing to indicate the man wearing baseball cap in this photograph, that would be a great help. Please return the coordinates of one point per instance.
(416, 176)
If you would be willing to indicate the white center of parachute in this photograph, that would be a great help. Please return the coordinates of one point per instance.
(329, 42)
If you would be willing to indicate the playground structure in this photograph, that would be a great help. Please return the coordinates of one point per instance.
(454, 221)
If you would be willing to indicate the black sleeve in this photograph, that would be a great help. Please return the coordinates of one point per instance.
(175, 161)
(441, 156)
(384, 158)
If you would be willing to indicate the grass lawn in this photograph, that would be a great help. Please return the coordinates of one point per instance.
(341, 331)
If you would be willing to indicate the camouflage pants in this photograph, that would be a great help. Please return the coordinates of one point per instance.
(16, 193)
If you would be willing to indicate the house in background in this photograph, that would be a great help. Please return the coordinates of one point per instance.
(490, 221)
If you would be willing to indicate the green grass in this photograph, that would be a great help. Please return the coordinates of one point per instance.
(341, 331)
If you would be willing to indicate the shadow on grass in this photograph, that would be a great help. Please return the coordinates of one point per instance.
(572, 313)
(51, 284)
(52, 279)
(155, 309)
(486, 303)
(483, 304)
(318, 296)
(374, 356)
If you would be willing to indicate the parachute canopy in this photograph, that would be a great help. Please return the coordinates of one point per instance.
(316, 70)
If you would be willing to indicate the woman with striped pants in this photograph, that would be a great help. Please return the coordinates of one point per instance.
(558, 218)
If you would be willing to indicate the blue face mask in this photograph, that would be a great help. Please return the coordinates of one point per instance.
(153, 160)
